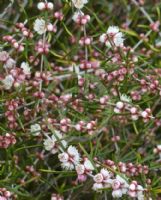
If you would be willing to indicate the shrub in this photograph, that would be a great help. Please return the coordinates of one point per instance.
(80, 99)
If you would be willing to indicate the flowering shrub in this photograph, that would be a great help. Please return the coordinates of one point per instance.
(80, 91)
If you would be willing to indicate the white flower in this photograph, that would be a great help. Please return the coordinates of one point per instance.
(97, 186)
(40, 26)
(116, 110)
(4, 56)
(136, 190)
(119, 105)
(98, 178)
(26, 68)
(88, 165)
(68, 166)
(76, 15)
(65, 161)
(69, 159)
(117, 193)
(103, 38)
(158, 43)
(135, 59)
(54, 143)
(125, 98)
(8, 82)
(10, 63)
(73, 152)
(112, 37)
(144, 114)
(112, 30)
(63, 157)
(35, 129)
(80, 169)
(118, 40)
(120, 187)
(50, 27)
(106, 174)
(122, 181)
(104, 178)
(79, 3)
(124, 184)
(140, 194)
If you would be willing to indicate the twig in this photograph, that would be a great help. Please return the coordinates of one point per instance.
(7, 8)
(148, 18)
(141, 41)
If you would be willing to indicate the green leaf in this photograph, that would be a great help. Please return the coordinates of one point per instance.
(130, 32)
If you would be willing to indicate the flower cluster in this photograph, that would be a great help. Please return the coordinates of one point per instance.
(80, 106)
(42, 47)
(80, 18)
(25, 31)
(13, 42)
(7, 140)
(7, 61)
(84, 169)
(70, 160)
(5, 194)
